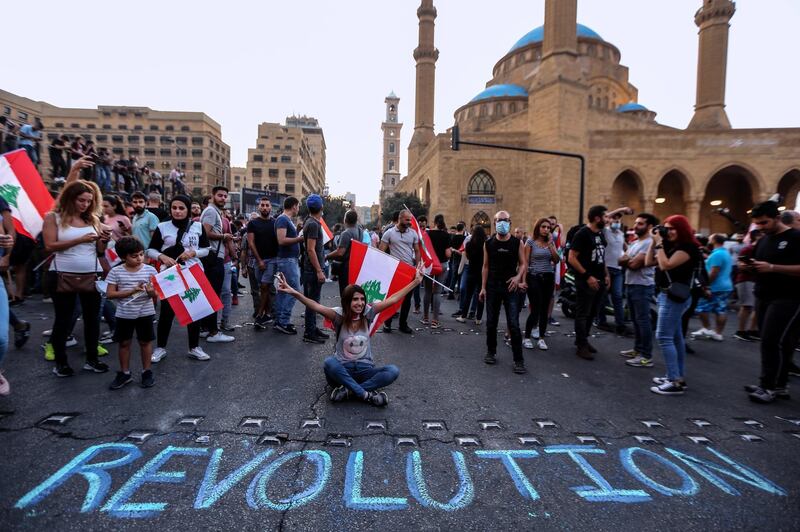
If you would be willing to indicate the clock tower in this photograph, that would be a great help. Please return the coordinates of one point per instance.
(391, 147)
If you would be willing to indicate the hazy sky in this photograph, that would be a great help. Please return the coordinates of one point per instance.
(246, 62)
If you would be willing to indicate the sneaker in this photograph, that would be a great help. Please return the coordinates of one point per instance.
(477, 322)
(106, 341)
(107, 334)
(21, 335)
(424, 321)
(377, 398)
(49, 352)
(322, 334)
(5, 387)
(63, 371)
(405, 329)
(763, 396)
(461, 319)
(456, 314)
(340, 393)
(629, 353)
(101, 351)
(262, 322)
(700, 333)
(743, 335)
(584, 352)
(640, 362)
(225, 326)
(668, 388)
(120, 380)
(204, 334)
(490, 359)
(47, 332)
(527, 343)
(95, 366)
(147, 379)
(220, 338)
(554, 323)
(158, 354)
(285, 329)
(755, 335)
(542, 345)
(416, 310)
(387, 329)
(519, 368)
(794, 371)
(662, 380)
(435, 324)
(313, 339)
(715, 336)
(197, 353)
(47, 300)
(535, 334)
(71, 341)
(780, 393)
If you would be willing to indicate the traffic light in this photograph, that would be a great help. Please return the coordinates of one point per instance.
(454, 139)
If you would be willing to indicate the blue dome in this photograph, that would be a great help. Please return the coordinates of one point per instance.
(499, 91)
(537, 35)
(630, 107)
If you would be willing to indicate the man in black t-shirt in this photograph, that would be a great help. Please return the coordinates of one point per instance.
(313, 273)
(503, 274)
(776, 262)
(263, 243)
(587, 259)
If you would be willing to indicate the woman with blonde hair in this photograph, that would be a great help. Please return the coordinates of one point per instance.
(73, 233)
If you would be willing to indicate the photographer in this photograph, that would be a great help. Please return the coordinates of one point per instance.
(676, 252)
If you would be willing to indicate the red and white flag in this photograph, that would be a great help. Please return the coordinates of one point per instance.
(24, 190)
(327, 234)
(380, 275)
(432, 265)
(198, 300)
(169, 282)
(111, 255)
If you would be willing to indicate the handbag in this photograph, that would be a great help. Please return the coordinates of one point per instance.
(679, 292)
(75, 283)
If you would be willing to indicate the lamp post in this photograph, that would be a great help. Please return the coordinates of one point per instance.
(456, 143)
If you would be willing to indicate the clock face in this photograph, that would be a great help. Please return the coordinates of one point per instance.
(391, 133)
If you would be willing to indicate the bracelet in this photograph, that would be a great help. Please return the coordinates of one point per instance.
(659, 246)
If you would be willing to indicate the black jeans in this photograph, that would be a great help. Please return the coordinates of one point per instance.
(64, 309)
(312, 289)
(215, 272)
(403, 312)
(540, 292)
(497, 294)
(779, 325)
(344, 272)
(473, 285)
(165, 325)
(587, 302)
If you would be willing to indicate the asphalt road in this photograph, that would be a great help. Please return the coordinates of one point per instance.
(249, 440)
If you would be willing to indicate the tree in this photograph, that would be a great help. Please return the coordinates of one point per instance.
(396, 202)
(333, 210)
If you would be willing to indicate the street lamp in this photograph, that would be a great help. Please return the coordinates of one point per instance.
(456, 142)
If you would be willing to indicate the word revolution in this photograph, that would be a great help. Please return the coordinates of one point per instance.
(95, 464)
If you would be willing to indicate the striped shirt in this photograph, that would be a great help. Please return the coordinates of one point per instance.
(128, 307)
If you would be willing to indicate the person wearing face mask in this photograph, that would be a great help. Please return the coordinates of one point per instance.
(503, 274)
(615, 247)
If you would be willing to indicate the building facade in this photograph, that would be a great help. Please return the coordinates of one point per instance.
(563, 87)
(391, 147)
(161, 140)
(288, 158)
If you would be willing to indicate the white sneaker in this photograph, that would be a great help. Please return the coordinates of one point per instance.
(535, 334)
(714, 335)
(71, 342)
(158, 354)
(701, 332)
(527, 343)
(199, 354)
(542, 345)
(48, 332)
(220, 338)
(203, 334)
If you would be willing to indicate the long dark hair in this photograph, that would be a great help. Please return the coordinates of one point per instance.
(115, 202)
(347, 312)
(478, 236)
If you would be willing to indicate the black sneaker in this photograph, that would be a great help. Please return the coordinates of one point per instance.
(387, 329)
(760, 395)
(322, 334)
(405, 329)
(95, 366)
(519, 368)
(743, 335)
(285, 329)
(21, 335)
(63, 371)
(313, 339)
(470, 315)
(291, 327)
(340, 393)
(780, 393)
(120, 380)
(668, 388)
(147, 378)
(227, 327)
(755, 335)
(490, 358)
(377, 398)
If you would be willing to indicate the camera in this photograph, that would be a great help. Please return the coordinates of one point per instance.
(661, 230)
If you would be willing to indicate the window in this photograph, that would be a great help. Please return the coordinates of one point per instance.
(260, 147)
(286, 158)
(481, 218)
(288, 147)
(181, 152)
(289, 173)
(91, 126)
(102, 138)
(181, 165)
(170, 128)
(137, 128)
(276, 146)
(498, 109)
(181, 140)
(22, 116)
(7, 112)
(391, 164)
(258, 158)
(106, 126)
(481, 184)
(273, 172)
(196, 191)
(116, 139)
(289, 188)
(117, 151)
(184, 128)
(133, 151)
(149, 140)
(87, 137)
(122, 126)
(165, 152)
(257, 173)
(199, 166)
(273, 159)
(164, 139)
(482, 110)
(133, 139)
(138, 115)
(591, 101)
(151, 164)
(123, 113)
(154, 128)
(149, 152)
(58, 124)
(272, 187)
(197, 141)
(197, 153)
(512, 107)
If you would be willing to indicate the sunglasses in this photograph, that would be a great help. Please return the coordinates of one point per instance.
(503, 220)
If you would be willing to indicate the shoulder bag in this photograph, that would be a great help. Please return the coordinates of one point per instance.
(75, 283)
(679, 292)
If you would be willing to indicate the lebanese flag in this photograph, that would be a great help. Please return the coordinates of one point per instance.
(432, 265)
(198, 301)
(169, 282)
(380, 275)
(111, 255)
(327, 234)
(24, 190)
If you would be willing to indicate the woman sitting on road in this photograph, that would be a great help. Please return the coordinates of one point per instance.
(351, 370)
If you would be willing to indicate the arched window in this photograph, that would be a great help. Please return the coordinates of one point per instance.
(392, 181)
(480, 218)
(481, 184)
(391, 164)
(391, 147)
(483, 110)
(591, 101)
(498, 109)
(512, 107)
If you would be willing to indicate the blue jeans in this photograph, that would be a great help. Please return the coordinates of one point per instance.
(103, 178)
(359, 377)
(284, 303)
(639, 297)
(226, 295)
(669, 335)
(312, 289)
(31, 151)
(617, 277)
(468, 300)
(3, 323)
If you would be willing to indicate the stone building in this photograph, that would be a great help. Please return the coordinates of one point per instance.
(391, 147)
(158, 139)
(239, 178)
(563, 87)
(288, 158)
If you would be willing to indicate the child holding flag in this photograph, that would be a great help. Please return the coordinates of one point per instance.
(130, 282)
(351, 370)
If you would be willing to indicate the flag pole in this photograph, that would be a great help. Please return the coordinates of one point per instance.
(44, 261)
(425, 274)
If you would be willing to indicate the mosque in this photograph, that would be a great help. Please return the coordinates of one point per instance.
(562, 87)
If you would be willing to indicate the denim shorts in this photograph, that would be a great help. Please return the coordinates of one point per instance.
(267, 275)
(716, 304)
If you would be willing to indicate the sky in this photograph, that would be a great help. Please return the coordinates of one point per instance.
(245, 62)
